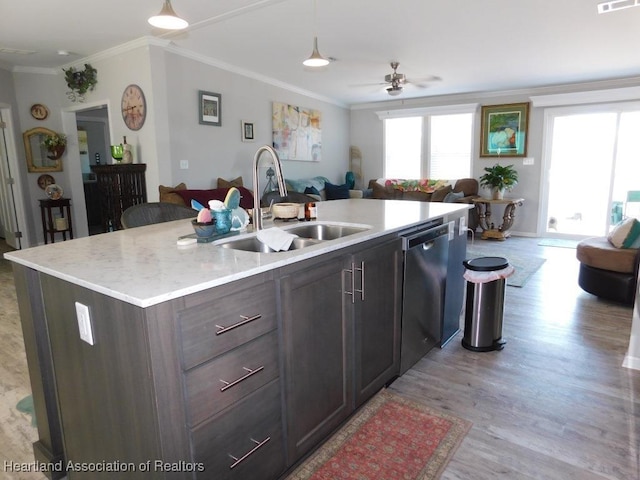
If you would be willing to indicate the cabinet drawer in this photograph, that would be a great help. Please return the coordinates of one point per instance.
(226, 379)
(251, 432)
(215, 327)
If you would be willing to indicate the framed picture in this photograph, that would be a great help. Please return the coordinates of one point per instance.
(247, 131)
(504, 130)
(210, 108)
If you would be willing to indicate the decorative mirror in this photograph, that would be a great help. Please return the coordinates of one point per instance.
(39, 157)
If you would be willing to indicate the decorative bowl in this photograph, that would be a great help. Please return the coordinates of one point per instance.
(204, 229)
(285, 210)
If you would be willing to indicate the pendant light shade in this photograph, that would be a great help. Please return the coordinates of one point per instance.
(168, 19)
(315, 60)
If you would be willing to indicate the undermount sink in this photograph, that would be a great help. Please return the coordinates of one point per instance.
(324, 231)
(307, 235)
(252, 244)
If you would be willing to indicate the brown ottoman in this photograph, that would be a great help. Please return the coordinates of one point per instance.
(606, 271)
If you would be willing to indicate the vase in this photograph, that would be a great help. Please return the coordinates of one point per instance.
(498, 193)
(55, 152)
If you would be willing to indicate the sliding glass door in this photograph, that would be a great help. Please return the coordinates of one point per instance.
(592, 157)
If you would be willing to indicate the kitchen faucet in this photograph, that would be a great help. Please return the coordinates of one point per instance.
(282, 188)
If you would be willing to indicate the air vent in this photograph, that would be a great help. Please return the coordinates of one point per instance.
(15, 51)
(613, 5)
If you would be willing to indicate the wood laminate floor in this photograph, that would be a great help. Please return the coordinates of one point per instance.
(554, 404)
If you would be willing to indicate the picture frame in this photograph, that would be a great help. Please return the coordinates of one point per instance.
(504, 130)
(209, 108)
(248, 131)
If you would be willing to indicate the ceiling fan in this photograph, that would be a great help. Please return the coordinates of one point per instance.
(396, 81)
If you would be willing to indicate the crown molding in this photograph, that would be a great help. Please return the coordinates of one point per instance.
(36, 70)
(172, 48)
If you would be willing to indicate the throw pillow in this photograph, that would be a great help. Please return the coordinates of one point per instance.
(169, 195)
(311, 191)
(440, 194)
(236, 182)
(452, 197)
(625, 233)
(336, 192)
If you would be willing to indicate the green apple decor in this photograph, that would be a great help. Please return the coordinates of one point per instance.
(499, 178)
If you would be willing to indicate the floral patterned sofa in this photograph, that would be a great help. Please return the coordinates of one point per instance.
(463, 190)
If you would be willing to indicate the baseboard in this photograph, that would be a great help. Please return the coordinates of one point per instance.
(631, 362)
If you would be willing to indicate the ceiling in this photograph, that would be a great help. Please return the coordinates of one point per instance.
(470, 45)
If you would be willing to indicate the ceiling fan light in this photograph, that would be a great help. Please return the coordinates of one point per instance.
(315, 60)
(394, 91)
(167, 19)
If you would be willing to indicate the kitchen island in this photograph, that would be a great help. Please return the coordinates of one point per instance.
(149, 360)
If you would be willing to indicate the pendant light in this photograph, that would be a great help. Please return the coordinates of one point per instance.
(168, 19)
(315, 60)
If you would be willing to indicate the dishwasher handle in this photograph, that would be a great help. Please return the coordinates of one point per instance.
(423, 237)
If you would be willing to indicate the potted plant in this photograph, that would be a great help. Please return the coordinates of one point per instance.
(55, 144)
(499, 178)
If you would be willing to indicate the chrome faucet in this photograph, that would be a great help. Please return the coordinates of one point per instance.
(282, 188)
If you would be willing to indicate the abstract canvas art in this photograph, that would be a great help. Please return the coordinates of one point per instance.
(297, 133)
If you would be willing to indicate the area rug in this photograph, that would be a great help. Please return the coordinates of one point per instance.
(389, 437)
(558, 242)
(525, 265)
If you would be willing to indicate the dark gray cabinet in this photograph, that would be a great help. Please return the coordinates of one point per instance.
(376, 317)
(340, 318)
(199, 381)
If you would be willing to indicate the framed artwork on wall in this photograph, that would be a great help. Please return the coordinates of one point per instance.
(247, 131)
(504, 130)
(210, 108)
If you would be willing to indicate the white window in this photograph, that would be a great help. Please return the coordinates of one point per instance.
(432, 145)
(450, 146)
(403, 147)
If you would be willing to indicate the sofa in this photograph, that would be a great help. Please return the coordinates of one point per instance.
(315, 189)
(463, 190)
(609, 265)
(181, 195)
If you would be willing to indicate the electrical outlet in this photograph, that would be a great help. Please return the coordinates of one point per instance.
(184, 164)
(84, 323)
(463, 226)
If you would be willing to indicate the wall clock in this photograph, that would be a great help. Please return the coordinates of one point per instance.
(134, 107)
(39, 111)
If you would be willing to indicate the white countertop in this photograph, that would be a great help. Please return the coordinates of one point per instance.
(144, 266)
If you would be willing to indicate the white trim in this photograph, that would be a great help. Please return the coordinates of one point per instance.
(631, 362)
(38, 70)
(583, 98)
(422, 111)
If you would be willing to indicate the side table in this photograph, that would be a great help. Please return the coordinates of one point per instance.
(489, 230)
(59, 224)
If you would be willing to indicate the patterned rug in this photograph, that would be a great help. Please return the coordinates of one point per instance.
(525, 265)
(389, 437)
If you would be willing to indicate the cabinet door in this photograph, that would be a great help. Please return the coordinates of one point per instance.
(377, 317)
(316, 339)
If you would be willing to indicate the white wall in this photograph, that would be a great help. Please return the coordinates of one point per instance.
(171, 132)
(214, 152)
(367, 134)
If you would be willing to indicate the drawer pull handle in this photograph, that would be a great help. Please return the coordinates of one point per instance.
(244, 321)
(228, 385)
(250, 452)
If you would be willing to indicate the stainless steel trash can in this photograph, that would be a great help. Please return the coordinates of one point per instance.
(484, 307)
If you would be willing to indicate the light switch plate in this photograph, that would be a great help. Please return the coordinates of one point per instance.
(527, 161)
(84, 323)
(184, 164)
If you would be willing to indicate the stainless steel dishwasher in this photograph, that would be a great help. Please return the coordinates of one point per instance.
(426, 254)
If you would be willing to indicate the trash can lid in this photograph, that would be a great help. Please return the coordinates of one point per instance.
(486, 264)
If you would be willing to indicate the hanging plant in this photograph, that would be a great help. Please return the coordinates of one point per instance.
(55, 145)
(80, 81)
